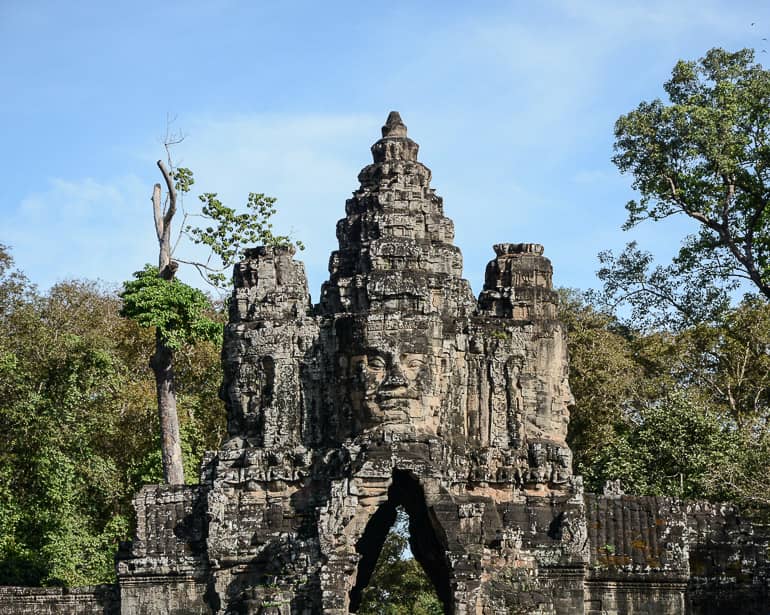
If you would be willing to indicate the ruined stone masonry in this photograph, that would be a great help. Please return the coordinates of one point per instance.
(400, 388)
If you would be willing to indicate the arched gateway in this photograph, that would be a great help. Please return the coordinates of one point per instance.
(401, 389)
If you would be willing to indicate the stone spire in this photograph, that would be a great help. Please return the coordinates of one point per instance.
(395, 244)
(394, 126)
(395, 145)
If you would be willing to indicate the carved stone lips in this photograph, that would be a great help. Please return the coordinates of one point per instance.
(400, 393)
(394, 403)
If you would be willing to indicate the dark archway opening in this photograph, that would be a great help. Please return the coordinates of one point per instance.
(406, 493)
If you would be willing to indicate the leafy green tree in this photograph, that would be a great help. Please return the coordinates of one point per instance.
(178, 312)
(729, 363)
(743, 477)
(661, 297)
(674, 447)
(700, 364)
(143, 294)
(679, 413)
(60, 479)
(77, 418)
(705, 155)
(605, 376)
(228, 233)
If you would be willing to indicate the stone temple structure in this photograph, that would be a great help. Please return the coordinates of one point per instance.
(400, 388)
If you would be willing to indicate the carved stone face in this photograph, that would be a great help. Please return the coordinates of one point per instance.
(391, 386)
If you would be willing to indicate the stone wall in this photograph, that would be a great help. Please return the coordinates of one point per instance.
(99, 599)
(639, 555)
(164, 569)
(680, 556)
(729, 561)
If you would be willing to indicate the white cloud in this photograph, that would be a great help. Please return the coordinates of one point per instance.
(102, 227)
(82, 228)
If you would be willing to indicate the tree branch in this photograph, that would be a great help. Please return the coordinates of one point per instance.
(202, 265)
(171, 193)
(157, 212)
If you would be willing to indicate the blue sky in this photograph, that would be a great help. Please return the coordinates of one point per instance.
(513, 104)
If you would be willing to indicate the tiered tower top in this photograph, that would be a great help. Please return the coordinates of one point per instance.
(396, 247)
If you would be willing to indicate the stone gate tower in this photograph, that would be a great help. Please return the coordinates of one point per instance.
(399, 388)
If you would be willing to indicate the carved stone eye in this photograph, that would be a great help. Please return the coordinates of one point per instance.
(415, 364)
(377, 363)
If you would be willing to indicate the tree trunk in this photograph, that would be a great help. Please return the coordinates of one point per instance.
(162, 363)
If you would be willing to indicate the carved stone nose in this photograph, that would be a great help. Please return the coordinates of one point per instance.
(395, 377)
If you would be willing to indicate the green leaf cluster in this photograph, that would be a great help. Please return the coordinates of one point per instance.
(671, 412)
(227, 233)
(672, 296)
(176, 310)
(672, 447)
(183, 179)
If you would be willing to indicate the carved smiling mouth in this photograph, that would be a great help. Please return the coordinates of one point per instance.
(389, 405)
(395, 395)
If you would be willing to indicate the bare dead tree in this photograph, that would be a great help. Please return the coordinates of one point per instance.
(162, 361)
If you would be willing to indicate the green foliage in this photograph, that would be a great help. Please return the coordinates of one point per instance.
(706, 155)
(671, 413)
(674, 447)
(60, 479)
(78, 425)
(148, 470)
(728, 363)
(183, 179)
(686, 403)
(230, 232)
(674, 296)
(398, 585)
(605, 377)
(176, 310)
